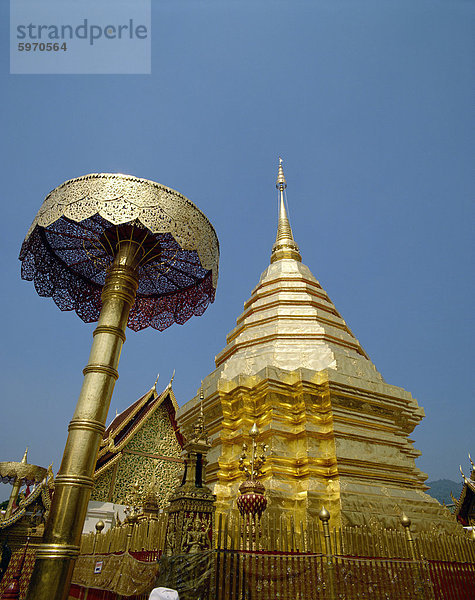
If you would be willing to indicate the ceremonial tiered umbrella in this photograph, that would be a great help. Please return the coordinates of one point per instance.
(124, 252)
(19, 474)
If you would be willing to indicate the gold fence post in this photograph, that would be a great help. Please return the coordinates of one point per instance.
(99, 527)
(324, 517)
(130, 532)
(406, 523)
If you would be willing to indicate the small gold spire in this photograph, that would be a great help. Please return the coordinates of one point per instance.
(199, 429)
(24, 459)
(285, 246)
(280, 184)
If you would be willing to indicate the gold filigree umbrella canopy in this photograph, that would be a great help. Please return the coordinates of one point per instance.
(124, 252)
(19, 474)
(74, 237)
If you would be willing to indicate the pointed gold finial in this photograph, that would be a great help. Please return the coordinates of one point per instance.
(465, 480)
(405, 520)
(24, 459)
(280, 184)
(154, 386)
(285, 246)
(199, 429)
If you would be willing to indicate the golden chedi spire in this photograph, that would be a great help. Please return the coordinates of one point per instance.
(289, 322)
(285, 246)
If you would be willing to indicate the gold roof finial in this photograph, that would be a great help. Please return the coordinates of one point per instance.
(465, 479)
(285, 246)
(24, 459)
(154, 386)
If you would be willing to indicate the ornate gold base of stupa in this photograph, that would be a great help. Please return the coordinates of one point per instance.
(334, 441)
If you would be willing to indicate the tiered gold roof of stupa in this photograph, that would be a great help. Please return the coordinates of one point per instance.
(289, 321)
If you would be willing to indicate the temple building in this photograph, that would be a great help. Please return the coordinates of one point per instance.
(338, 434)
(142, 444)
(465, 505)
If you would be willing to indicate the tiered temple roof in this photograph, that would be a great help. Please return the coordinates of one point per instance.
(290, 322)
(465, 505)
(141, 443)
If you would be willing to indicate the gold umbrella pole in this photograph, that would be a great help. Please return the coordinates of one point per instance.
(55, 557)
(13, 497)
(15, 490)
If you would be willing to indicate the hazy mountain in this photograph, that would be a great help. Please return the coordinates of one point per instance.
(441, 489)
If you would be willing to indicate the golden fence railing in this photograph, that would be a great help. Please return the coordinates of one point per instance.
(146, 535)
(275, 558)
(279, 533)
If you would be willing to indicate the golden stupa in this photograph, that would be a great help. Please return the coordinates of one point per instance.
(338, 434)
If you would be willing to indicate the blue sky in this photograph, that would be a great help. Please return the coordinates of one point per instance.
(371, 105)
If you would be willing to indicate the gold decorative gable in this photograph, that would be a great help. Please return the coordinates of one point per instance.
(141, 442)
